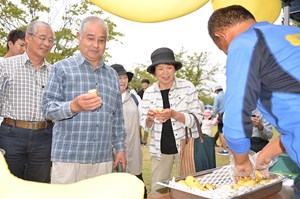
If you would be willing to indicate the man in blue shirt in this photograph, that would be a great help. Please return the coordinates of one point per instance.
(86, 125)
(219, 101)
(262, 70)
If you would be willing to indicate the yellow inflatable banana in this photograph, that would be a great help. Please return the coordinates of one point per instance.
(150, 10)
(262, 10)
(163, 10)
(112, 186)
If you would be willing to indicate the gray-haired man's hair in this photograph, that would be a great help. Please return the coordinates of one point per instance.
(32, 27)
(93, 19)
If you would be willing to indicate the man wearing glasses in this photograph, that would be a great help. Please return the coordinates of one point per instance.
(25, 135)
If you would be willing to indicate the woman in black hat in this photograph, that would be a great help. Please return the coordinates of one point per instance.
(165, 111)
(133, 150)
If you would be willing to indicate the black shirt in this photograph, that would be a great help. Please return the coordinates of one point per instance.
(141, 93)
(167, 142)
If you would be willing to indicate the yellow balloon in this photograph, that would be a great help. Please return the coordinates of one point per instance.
(262, 10)
(112, 186)
(149, 10)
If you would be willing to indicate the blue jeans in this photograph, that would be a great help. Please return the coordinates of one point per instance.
(26, 148)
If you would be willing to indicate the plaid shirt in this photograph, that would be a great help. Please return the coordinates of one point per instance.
(22, 87)
(87, 136)
(183, 98)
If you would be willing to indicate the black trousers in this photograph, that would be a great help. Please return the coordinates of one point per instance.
(141, 178)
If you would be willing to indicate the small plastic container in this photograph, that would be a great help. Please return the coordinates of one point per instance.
(2, 151)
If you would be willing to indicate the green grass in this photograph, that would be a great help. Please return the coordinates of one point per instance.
(220, 161)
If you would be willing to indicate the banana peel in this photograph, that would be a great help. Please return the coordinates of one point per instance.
(191, 181)
(210, 186)
(112, 186)
(246, 182)
(194, 183)
(258, 176)
(182, 182)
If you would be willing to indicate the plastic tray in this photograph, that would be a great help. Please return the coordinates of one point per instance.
(221, 176)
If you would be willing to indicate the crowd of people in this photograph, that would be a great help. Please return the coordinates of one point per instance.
(78, 118)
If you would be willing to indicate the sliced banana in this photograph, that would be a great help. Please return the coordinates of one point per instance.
(93, 91)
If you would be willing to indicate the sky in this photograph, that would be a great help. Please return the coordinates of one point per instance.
(141, 39)
(188, 32)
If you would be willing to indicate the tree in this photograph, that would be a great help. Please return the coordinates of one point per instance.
(64, 17)
(140, 73)
(295, 23)
(195, 68)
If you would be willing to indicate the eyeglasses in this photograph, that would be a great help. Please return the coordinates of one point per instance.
(44, 38)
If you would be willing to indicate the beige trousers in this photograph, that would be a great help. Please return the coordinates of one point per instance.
(65, 173)
(161, 169)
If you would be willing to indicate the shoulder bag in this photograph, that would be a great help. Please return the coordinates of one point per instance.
(196, 154)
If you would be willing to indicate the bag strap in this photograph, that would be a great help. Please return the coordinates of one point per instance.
(136, 101)
(198, 128)
(187, 134)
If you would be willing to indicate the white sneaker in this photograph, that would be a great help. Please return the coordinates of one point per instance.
(223, 152)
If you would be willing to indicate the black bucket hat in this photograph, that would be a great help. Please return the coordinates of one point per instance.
(163, 56)
(121, 71)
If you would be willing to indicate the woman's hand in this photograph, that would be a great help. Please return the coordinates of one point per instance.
(150, 117)
(163, 115)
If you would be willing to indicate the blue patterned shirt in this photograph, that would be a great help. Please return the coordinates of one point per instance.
(219, 101)
(87, 136)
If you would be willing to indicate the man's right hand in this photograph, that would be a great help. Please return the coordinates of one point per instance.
(242, 167)
(85, 102)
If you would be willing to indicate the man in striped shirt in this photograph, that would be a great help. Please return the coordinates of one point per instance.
(25, 135)
(16, 45)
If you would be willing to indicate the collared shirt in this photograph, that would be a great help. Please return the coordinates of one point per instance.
(219, 101)
(87, 136)
(263, 71)
(267, 132)
(22, 87)
(1, 118)
(183, 98)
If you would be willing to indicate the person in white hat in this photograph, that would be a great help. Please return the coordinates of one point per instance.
(219, 101)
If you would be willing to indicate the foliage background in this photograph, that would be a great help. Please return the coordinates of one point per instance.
(65, 20)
